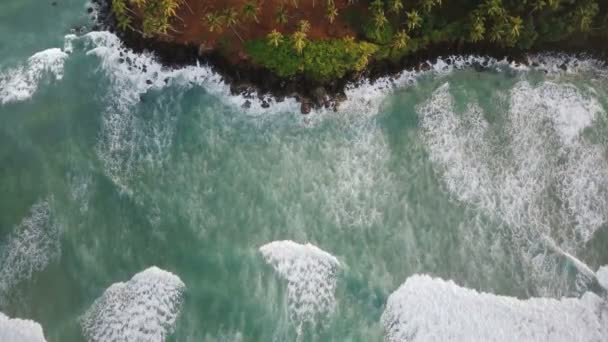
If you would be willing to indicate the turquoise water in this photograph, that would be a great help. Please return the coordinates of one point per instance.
(482, 177)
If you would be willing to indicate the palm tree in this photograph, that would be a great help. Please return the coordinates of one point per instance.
(494, 8)
(584, 15)
(299, 41)
(251, 9)
(119, 8)
(496, 34)
(169, 8)
(516, 25)
(331, 13)
(281, 16)
(478, 28)
(231, 17)
(304, 26)
(377, 6)
(414, 20)
(215, 22)
(275, 38)
(395, 6)
(380, 20)
(427, 5)
(400, 40)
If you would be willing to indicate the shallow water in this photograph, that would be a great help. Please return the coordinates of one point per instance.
(486, 178)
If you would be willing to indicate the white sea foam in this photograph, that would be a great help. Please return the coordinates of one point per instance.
(144, 308)
(550, 182)
(311, 278)
(431, 309)
(128, 142)
(602, 276)
(367, 97)
(20, 330)
(20, 83)
(33, 244)
(361, 188)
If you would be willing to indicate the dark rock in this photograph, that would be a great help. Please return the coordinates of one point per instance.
(246, 104)
(166, 80)
(265, 104)
(320, 97)
(564, 67)
(247, 79)
(306, 106)
(121, 60)
(424, 66)
(90, 10)
(245, 89)
(204, 49)
(148, 81)
(340, 97)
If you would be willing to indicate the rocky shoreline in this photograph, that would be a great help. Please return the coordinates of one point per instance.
(247, 79)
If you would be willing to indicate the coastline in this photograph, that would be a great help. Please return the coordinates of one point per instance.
(248, 79)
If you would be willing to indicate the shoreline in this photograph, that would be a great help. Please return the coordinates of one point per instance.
(248, 79)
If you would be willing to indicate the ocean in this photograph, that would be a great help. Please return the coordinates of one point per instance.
(141, 203)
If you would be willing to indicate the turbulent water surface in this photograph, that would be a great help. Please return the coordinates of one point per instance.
(144, 204)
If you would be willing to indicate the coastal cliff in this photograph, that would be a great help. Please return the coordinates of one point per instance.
(311, 49)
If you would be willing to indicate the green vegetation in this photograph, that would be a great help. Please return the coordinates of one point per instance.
(321, 60)
(155, 15)
(387, 29)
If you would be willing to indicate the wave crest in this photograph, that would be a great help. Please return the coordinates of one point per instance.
(431, 309)
(311, 278)
(144, 308)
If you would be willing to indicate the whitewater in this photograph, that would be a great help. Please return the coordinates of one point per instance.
(466, 202)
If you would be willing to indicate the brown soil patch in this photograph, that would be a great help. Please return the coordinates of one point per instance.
(193, 29)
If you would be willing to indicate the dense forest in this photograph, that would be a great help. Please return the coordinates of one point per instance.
(325, 39)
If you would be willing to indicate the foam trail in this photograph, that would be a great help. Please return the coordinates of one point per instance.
(549, 183)
(580, 266)
(311, 278)
(431, 309)
(32, 245)
(20, 83)
(20, 330)
(144, 308)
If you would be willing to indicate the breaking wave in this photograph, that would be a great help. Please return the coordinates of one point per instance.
(127, 140)
(130, 139)
(21, 330)
(33, 244)
(20, 83)
(539, 175)
(144, 308)
(431, 309)
(311, 278)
